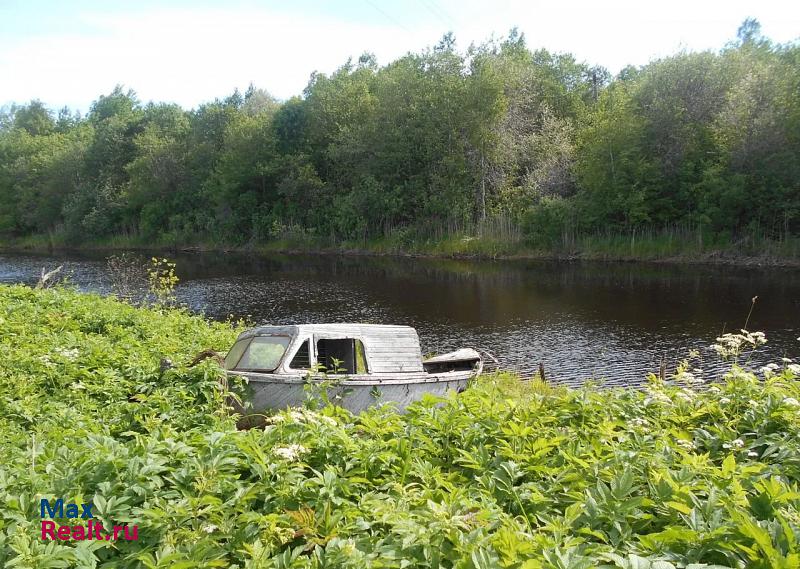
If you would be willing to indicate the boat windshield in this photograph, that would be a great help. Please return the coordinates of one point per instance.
(262, 353)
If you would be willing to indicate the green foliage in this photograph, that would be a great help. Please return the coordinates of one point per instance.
(435, 140)
(506, 474)
(162, 280)
(546, 222)
(699, 138)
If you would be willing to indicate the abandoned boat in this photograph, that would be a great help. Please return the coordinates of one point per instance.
(352, 365)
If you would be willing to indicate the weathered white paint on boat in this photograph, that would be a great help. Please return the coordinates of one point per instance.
(277, 392)
(464, 354)
(395, 372)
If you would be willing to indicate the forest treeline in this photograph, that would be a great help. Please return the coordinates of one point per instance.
(547, 145)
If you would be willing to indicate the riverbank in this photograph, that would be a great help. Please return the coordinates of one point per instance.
(508, 473)
(751, 253)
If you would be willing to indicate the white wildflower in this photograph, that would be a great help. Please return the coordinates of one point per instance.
(45, 359)
(660, 397)
(714, 389)
(291, 453)
(786, 360)
(70, 354)
(734, 444)
(792, 402)
(684, 444)
(752, 454)
(297, 416)
(209, 528)
(315, 418)
(739, 373)
(794, 368)
(732, 344)
(657, 396)
(724, 400)
(768, 370)
(303, 416)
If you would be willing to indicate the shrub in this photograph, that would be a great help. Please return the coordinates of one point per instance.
(507, 474)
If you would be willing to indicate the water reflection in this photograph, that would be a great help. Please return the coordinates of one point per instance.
(581, 320)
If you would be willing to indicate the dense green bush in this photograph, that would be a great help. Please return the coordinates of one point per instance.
(433, 140)
(508, 474)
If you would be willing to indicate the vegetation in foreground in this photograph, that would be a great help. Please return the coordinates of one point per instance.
(490, 150)
(508, 474)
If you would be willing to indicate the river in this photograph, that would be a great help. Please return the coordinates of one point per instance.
(611, 322)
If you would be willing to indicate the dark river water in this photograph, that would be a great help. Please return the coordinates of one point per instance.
(605, 321)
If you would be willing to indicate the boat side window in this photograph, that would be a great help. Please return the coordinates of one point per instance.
(345, 355)
(235, 353)
(302, 359)
(263, 354)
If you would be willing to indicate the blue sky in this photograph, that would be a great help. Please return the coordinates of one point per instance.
(189, 52)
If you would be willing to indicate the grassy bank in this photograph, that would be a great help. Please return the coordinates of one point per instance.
(508, 474)
(494, 239)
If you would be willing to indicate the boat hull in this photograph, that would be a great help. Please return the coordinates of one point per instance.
(272, 392)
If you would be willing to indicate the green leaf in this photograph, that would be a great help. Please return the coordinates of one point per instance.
(728, 466)
(682, 508)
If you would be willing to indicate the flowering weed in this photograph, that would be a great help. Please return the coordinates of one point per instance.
(506, 474)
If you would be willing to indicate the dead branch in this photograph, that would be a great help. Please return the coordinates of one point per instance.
(204, 355)
(47, 279)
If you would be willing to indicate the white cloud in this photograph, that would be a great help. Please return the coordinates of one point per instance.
(191, 56)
